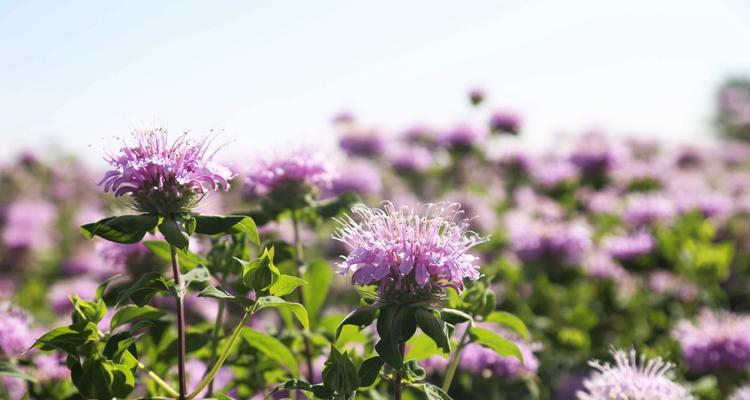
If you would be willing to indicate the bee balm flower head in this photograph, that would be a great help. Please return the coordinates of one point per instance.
(409, 253)
(164, 177)
(632, 378)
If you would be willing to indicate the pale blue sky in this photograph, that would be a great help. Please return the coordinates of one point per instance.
(75, 74)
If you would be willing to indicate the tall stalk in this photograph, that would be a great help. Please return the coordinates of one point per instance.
(216, 332)
(397, 378)
(180, 323)
(299, 257)
(454, 360)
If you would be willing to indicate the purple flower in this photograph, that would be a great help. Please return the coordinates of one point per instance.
(296, 173)
(16, 334)
(361, 178)
(663, 282)
(163, 177)
(406, 251)
(117, 256)
(83, 287)
(629, 247)
(594, 153)
(600, 265)
(87, 262)
(411, 160)
(546, 239)
(419, 135)
(343, 118)
(476, 96)
(716, 342)
(51, 367)
(28, 224)
(15, 388)
(368, 143)
(710, 204)
(646, 208)
(552, 174)
(741, 393)
(461, 138)
(505, 122)
(632, 378)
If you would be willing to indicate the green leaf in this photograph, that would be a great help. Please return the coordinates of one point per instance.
(87, 311)
(123, 229)
(318, 276)
(174, 234)
(220, 293)
(198, 274)
(276, 302)
(271, 348)
(285, 285)
(8, 369)
(435, 393)
(369, 371)
(133, 313)
(453, 316)
(509, 320)
(118, 344)
(493, 341)
(360, 317)
(422, 347)
(388, 350)
(260, 273)
(104, 285)
(434, 328)
(68, 338)
(145, 288)
(339, 374)
(218, 224)
(188, 259)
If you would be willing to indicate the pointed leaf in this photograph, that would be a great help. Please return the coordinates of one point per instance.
(133, 313)
(285, 285)
(434, 328)
(271, 348)
(509, 320)
(218, 224)
(493, 341)
(276, 302)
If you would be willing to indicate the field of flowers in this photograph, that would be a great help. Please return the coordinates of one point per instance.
(423, 264)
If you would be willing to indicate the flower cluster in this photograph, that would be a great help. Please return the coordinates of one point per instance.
(16, 335)
(632, 378)
(716, 342)
(164, 177)
(291, 175)
(404, 251)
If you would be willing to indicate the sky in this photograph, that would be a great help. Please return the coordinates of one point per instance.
(74, 74)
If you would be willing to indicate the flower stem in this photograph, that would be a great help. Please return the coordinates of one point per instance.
(180, 323)
(223, 357)
(215, 334)
(299, 257)
(454, 360)
(397, 380)
(156, 378)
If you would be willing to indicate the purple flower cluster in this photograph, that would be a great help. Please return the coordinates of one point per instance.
(536, 239)
(600, 265)
(552, 174)
(28, 224)
(58, 294)
(411, 160)
(406, 251)
(663, 282)
(296, 173)
(461, 138)
(630, 246)
(716, 342)
(632, 378)
(362, 143)
(741, 393)
(16, 334)
(164, 177)
(505, 122)
(594, 153)
(362, 178)
(646, 208)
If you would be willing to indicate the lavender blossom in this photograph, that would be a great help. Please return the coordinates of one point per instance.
(59, 293)
(552, 174)
(646, 208)
(16, 334)
(361, 178)
(600, 265)
(51, 367)
(716, 342)
(28, 224)
(594, 153)
(419, 135)
(293, 175)
(411, 160)
(406, 251)
(632, 378)
(461, 138)
(548, 239)
(631, 246)
(663, 282)
(476, 96)
(741, 393)
(367, 143)
(163, 177)
(505, 122)
(15, 388)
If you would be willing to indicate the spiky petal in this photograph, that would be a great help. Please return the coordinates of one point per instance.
(632, 378)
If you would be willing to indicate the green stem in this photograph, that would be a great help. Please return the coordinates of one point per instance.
(397, 380)
(454, 360)
(216, 332)
(223, 357)
(158, 380)
(180, 323)
(299, 257)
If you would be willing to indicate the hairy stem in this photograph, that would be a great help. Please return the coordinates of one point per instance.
(216, 332)
(454, 360)
(180, 323)
(397, 379)
(299, 261)
(223, 357)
